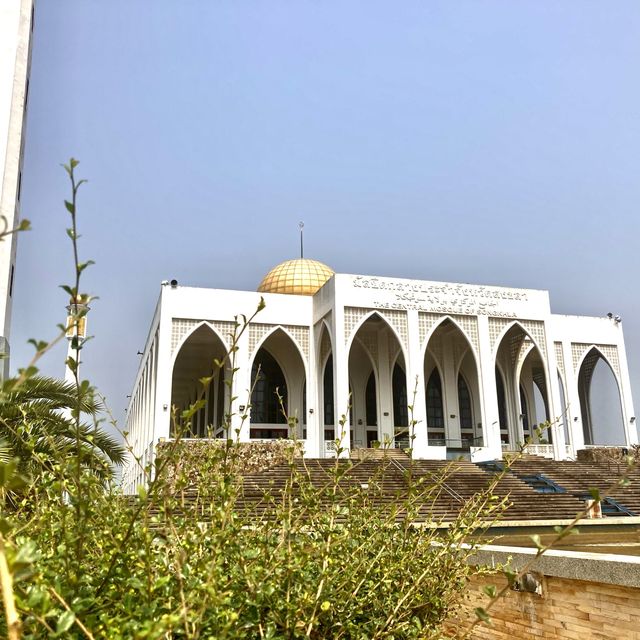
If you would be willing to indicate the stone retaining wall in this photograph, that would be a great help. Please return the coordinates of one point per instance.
(582, 595)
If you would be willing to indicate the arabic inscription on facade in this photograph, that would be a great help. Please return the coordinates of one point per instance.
(442, 297)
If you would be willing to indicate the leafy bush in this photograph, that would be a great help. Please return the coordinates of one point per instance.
(192, 556)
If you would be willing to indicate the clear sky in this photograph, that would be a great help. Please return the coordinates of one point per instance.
(487, 141)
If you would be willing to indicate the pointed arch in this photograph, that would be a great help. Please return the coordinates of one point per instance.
(268, 384)
(186, 336)
(367, 317)
(374, 346)
(522, 363)
(274, 330)
(282, 366)
(449, 350)
(325, 329)
(614, 431)
(587, 351)
(507, 328)
(522, 356)
(436, 325)
(325, 348)
(193, 360)
(368, 353)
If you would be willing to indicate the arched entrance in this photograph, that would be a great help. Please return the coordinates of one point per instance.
(523, 397)
(196, 360)
(452, 390)
(600, 401)
(278, 388)
(378, 385)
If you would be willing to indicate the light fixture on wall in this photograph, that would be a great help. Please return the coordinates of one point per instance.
(632, 419)
(310, 410)
(241, 407)
(575, 419)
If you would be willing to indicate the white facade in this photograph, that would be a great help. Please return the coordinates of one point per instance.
(479, 365)
(16, 24)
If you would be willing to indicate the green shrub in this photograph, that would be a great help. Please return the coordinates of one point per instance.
(192, 557)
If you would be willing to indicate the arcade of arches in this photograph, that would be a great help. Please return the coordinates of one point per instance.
(443, 368)
(381, 391)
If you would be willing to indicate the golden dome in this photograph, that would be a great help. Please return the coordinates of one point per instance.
(301, 277)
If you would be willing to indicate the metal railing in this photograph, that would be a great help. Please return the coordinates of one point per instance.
(460, 444)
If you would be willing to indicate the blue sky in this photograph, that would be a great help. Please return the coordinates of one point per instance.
(492, 142)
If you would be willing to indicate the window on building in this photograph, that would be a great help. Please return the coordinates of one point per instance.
(502, 405)
(464, 405)
(435, 411)
(524, 408)
(400, 404)
(304, 405)
(269, 382)
(328, 393)
(371, 401)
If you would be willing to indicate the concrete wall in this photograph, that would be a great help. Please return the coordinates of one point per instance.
(583, 595)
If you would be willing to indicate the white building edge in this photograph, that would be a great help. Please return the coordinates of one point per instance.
(470, 360)
(16, 27)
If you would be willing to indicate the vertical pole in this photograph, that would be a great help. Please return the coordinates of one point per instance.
(301, 227)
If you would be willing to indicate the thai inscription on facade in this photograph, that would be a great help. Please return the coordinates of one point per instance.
(443, 297)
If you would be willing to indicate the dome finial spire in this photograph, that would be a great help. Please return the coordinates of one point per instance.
(301, 227)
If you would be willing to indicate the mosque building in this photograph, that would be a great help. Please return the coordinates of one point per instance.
(445, 369)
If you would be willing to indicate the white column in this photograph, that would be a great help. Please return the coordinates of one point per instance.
(553, 398)
(385, 390)
(162, 422)
(526, 380)
(241, 386)
(488, 393)
(450, 390)
(341, 399)
(630, 428)
(319, 391)
(313, 442)
(415, 382)
(572, 398)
